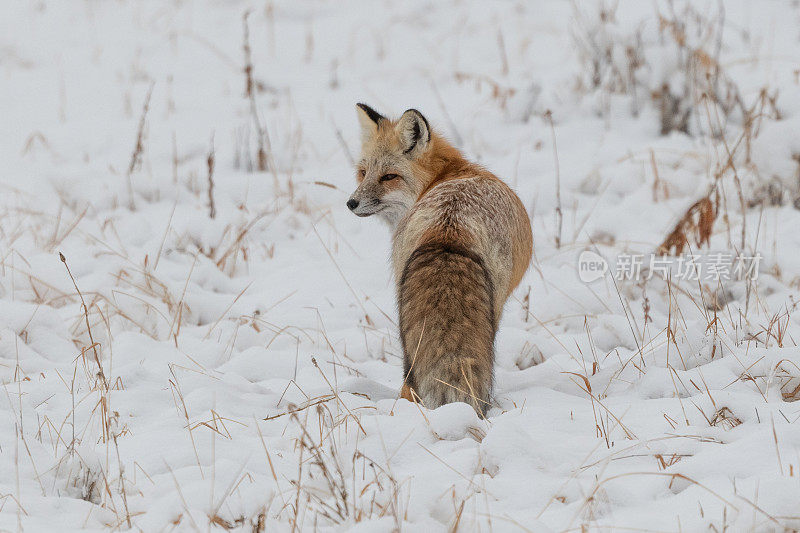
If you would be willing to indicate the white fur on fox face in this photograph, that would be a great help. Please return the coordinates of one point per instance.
(367, 200)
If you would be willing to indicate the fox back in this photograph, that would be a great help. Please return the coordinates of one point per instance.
(462, 242)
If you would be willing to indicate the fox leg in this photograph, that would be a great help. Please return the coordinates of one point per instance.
(405, 392)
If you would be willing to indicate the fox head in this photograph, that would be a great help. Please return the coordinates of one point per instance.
(385, 171)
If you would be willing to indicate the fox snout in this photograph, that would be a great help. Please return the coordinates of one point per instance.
(366, 199)
(363, 207)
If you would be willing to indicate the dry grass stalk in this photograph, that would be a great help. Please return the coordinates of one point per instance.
(666, 462)
(235, 246)
(57, 237)
(786, 379)
(500, 93)
(697, 222)
(37, 138)
(109, 419)
(548, 116)
(174, 158)
(114, 434)
(260, 524)
(93, 345)
(501, 44)
(212, 210)
(249, 87)
(725, 419)
(138, 149)
(250, 93)
(658, 183)
(177, 394)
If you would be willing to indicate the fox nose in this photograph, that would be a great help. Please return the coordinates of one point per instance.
(352, 203)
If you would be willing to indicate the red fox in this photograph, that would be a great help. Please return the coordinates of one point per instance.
(462, 242)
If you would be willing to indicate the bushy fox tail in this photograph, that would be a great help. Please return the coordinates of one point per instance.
(447, 326)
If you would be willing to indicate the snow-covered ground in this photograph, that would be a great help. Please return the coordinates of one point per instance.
(241, 371)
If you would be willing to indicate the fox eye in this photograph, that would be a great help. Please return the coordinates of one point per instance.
(389, 177)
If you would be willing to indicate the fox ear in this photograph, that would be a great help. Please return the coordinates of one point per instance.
(414, 132)
(369, 120)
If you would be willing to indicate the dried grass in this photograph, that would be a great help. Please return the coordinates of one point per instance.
(262, 144)
(693, 229)
(616, 62)
(138, 148)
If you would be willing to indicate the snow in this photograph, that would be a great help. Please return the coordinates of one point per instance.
(251, 360)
